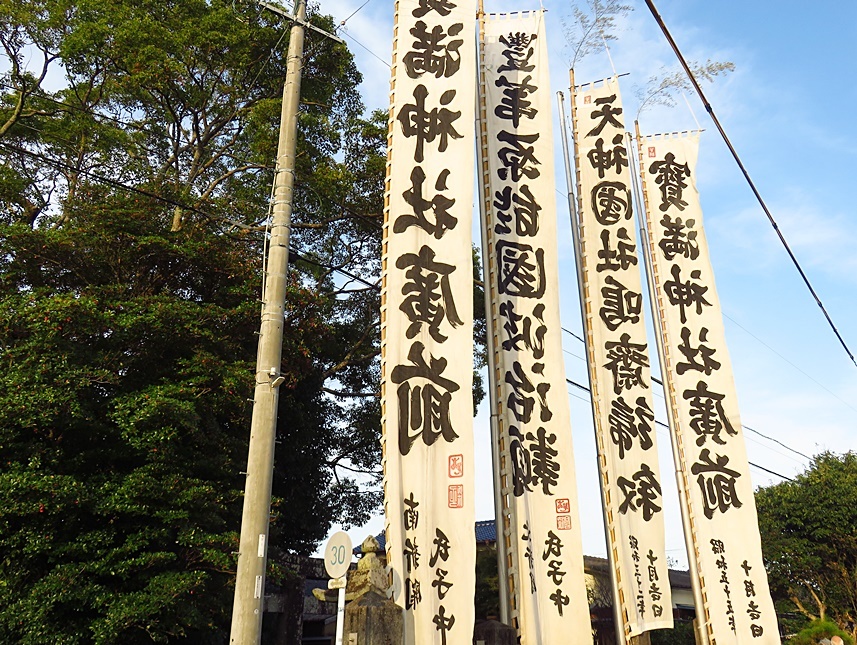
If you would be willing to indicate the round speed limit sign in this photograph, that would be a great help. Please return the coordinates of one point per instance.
(337, 554)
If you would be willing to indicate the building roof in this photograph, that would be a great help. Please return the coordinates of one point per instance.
(486, 533)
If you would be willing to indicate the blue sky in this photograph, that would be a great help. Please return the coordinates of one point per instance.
(785, 109)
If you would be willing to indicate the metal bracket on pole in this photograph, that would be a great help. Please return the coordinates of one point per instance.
(285, 14)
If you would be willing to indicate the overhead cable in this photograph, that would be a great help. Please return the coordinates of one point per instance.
(752, 185)
(60, 165)
(661, 423)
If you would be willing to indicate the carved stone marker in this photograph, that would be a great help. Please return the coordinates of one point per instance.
(493, 632)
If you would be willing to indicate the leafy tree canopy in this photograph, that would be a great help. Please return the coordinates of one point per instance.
(809, 540)
(133, 206)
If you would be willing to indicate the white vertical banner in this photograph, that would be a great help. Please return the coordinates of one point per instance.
(619, 360)
(427, 320)
(549, 600)
(727, 547)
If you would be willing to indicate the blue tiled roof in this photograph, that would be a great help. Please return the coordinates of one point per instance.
(485, 532)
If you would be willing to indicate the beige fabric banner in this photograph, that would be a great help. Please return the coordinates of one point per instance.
(427, 320)
(549, 600)
(734, 585)
(619, 359)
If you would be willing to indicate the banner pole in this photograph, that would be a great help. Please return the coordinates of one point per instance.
(500, 510)
(701, 628)
(618, 620)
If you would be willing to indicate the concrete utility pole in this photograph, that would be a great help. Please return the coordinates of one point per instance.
(253, 548)
(248, 606)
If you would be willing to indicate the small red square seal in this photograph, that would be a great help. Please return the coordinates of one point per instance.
(456, 496)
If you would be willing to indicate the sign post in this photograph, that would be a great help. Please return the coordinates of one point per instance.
(337, 560)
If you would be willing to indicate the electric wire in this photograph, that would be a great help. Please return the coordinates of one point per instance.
(357, 42)
(661, 383)
(746, 174)
(763, 343)
(353, 13)
(664, 425)
(60, 165)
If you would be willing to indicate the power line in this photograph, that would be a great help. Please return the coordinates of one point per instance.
(664, 425)
(353, 13)
(752, 185)
(764, 344)
(797, 452)
(771, 472)
(357, 42)
(61, 165)
(661, 383)
(573, 335)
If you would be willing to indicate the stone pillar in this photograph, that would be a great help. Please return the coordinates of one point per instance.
(373, 619)
(370, 617)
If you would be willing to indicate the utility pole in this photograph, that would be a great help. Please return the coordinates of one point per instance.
(248, 606)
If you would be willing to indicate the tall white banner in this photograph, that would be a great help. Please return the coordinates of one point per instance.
(427, 320)
(619, 360)
(549, 600)
(738, 606)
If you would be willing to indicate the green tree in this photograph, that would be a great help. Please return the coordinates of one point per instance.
(809, 540)
(133, 205)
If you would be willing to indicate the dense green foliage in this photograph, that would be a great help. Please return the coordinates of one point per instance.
(809, 540)
(681, 634)
(817, 631)
(132, 210)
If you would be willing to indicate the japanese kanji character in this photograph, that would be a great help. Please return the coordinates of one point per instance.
(441, 543)
(626, 361)
(514, 103)
(554, 572)
(545, 470)
(716, 482)
(412, 554)
(624, 256)
(518, 157)
(424, 397)
(442, 7)
(619, 304)
(519, 329)
(678, 238)
(642, 492)
(519, 402)
(429, 54)
(526, 211)
(413, 597)
(443, 623)
(411, 515)
(626, 423)
(611, 202)
(670, 177)
(607, 113)
(685, 294)
(603, 160)
(518, 52)
(427, 293)
(560, 600)
(441, 220)
(441, 583)
(708, 418)
(521, 270)
(428, 125)
(699, 358)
